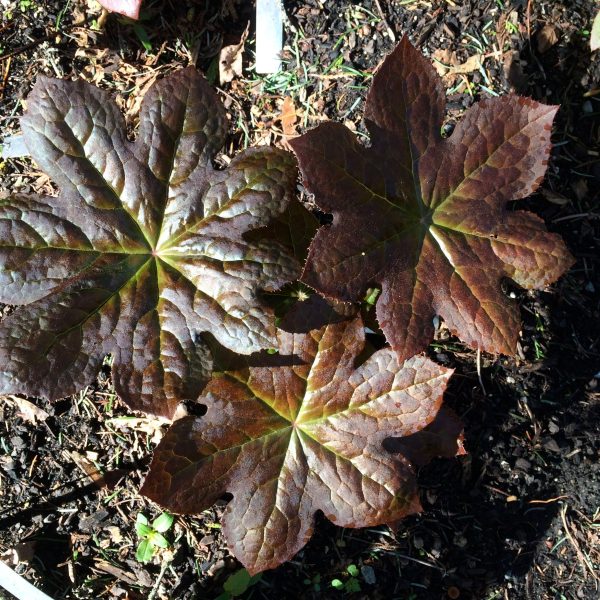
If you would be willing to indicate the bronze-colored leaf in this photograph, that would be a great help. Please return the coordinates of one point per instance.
(289, 440)
(424, 217)
(147, 246)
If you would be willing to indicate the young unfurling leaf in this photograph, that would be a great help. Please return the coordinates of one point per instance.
(146, 247)
(424, 217)
(301, 433)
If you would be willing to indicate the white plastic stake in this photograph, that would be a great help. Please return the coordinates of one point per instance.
(269, 35)
(19, 587)
(14, 147)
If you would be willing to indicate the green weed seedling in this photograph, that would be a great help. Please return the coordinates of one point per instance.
(314, 582)
(237, 583)
(352, 584)
(151, 535)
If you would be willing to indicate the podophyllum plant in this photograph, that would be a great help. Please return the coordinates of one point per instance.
(302, 431)
(146, 247)
(425, 217)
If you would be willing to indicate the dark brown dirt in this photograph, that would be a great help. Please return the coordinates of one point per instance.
(519, 516)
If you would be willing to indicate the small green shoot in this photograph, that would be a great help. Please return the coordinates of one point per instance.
(237, 583)
(151, 535)
(352, 584)
(142, 36)
(371, 296)
(338, 584)
(61, 14)
(314, 582)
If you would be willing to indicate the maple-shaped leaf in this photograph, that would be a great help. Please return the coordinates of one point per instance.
(128, 8)
(302, 434)
(146, 247)
(424, 217)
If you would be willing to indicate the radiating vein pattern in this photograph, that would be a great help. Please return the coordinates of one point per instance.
(145, 249)
(301, 434)
(425, 218)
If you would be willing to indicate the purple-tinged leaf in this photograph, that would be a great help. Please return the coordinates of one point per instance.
(424, 217)
(301, 432)
(128, 8)
(146, 248)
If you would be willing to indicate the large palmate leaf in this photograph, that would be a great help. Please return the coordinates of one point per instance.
(146, 247)
(424, 217)
(302, 435)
